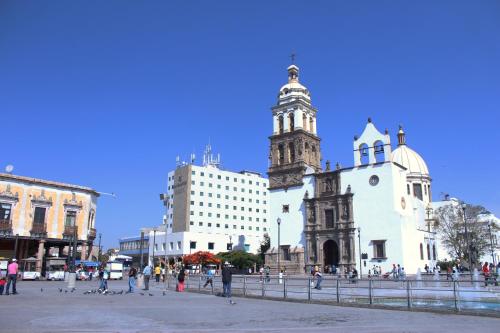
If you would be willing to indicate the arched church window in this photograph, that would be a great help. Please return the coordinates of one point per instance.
(281, 155)
(291, 121)
(291, 152)
(378, 148)
(311, 124)
(434, 251)
(304, 122)
(363, 154)
(408, 189)
(421, 251)
(313, 152)
(280, 124)
(428, 252)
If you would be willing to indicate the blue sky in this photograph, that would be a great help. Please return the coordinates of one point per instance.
(107, 93)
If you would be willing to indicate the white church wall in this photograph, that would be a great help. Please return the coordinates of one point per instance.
(292, 223)
(375, 213)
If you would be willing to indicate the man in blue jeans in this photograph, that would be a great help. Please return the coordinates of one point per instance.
(12, 271)
(131, 279)
(226, 281)
(147, 275)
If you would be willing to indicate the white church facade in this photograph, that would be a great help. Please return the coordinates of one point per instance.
(373, 213)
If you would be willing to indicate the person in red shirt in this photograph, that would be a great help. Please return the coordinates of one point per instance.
(486, 273)
(2, 284)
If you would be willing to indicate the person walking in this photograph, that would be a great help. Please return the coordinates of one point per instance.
(319, 278)
(103, 279)
(12, 271)
(210, 276)
(147, 275)
(354, 275)
(267, 271)
(394, 272)
(227, 276)
(132, 273)
(157, 274)
(180, 280)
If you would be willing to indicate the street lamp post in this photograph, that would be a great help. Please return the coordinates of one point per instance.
(360, 255)
(154, 245)
(469, 254)
(99, 249)
(279, 245)
(491, 245)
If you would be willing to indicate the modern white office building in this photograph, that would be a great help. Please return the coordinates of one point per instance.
(211, 209)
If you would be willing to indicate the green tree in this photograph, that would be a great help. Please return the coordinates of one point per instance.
(239, 259)
(264, 246)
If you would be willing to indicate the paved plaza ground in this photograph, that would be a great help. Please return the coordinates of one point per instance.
(34, 310)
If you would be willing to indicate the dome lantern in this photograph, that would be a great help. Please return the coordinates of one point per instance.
(401, 136)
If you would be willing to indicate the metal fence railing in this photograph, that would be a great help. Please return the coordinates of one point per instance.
(464, 296)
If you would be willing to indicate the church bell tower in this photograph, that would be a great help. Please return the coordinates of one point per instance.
(295, 146)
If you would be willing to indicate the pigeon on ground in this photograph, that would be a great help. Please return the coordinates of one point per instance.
(164, 293)
(66, 291)
(121, 292)
(142, 294)
(41, 290)
(60, 290)
(150, 294)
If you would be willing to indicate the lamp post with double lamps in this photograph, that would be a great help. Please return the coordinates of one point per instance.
(469, 254)
(493, 260)
(360, 254)
(279, 245)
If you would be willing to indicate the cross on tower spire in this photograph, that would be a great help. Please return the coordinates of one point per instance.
(292, 56)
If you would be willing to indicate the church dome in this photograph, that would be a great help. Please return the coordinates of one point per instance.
(408, 158)
(293, 89)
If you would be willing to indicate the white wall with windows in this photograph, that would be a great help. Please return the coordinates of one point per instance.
(223, 207)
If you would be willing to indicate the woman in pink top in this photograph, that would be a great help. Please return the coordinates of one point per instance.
(12, 271)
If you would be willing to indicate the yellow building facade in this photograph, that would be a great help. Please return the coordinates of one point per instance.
(38, 215)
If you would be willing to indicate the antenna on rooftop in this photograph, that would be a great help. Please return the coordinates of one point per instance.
(209, 159)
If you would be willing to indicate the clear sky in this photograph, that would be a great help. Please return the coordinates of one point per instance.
(107, 93)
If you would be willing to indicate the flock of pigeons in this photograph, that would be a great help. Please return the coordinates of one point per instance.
(101, 292)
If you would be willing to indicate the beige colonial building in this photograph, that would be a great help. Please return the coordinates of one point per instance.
(38, 216)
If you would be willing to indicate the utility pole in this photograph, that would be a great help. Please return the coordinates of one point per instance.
(360, 255)
(469, 254)
(491, 245)
(99, 250)
(154, 245)
(75, 245)
(141, 251)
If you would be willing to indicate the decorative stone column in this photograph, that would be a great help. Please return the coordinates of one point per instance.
(40, 255)
(84, 251)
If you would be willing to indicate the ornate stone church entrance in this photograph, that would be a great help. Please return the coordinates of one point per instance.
(330, 253)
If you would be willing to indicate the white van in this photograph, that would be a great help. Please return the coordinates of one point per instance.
(115, 270)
